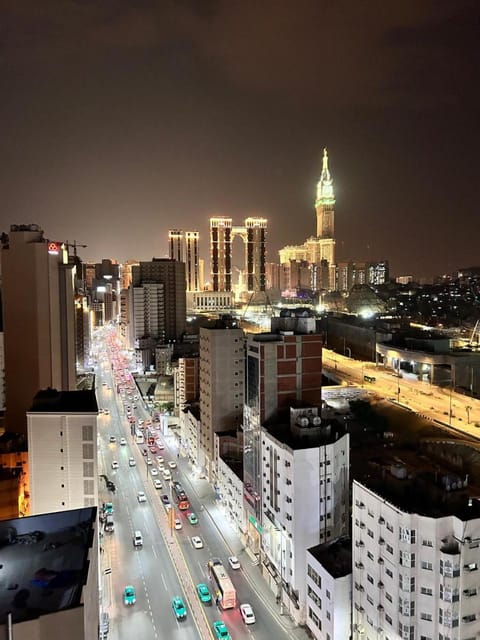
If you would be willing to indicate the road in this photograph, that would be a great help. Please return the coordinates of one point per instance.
(428, 400)
(168, 564)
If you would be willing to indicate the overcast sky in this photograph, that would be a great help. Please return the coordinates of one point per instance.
(122, 119)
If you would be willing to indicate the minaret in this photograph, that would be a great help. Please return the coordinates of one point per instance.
(325, 201)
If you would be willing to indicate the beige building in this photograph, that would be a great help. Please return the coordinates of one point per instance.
(62, 450)
(39, 319)
(221, 385)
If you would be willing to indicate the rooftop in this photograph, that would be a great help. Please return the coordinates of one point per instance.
(44, 562)
(53, 401)
(416, 484)
(309, 437)
(335, 557)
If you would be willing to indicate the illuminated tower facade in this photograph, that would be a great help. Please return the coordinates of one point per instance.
(325, 202)
(254, 235)
(175, 242)
(192, 266)
(256, 230)
(221, 253)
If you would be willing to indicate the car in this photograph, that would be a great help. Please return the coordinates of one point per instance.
(141, 497)
(221, 630)
(112, 439)
(149, 461)
(104, 384)
(108, 508)
(131, 462)
(114, 464)
(129, 595)
(140, 422)
(166, 474)
(247, 613)
(157, 483)
(160, 460)
(123, 441)
(134, 406)
(154, 471)
(137, 539)
(160, 445)
(172, 464)
(234, 562)
(192, 518)
(106, 412)
(165, 499)
(144, 452)
(153, 449)
(179, 608)
(204, 593)
(197, 542)
(178, 524)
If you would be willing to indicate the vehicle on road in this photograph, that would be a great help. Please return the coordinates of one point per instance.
(165, 499)
(109, 524)
(180, 496)
(149, 461)
(160, 460)
(137, 539)
(114, 464)
(204, 593)
(234, 562)
(178, 524)
(106, 412)
(160, 445)
(157, 483)
(108, 508)
(166, 474)
(153, 449)
(221, 630)
(131, 462)
(112, 439)
(223, 587)
(154, 471)
(192, 518)
(247, 613)
(123, 441)
(139, 438)
(197, 542)
(179, 608)
(141, 497)
(144, 451)
(172, 464)
(129, 596)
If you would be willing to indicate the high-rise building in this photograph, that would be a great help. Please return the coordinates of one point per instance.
(319, 249)
(175, 245)
(39, 319)
(282, 368)
(171, 275)
(415, 540)
(62, 450)
(351, 273)
(253, 234)
(221, 385)
(192, 266)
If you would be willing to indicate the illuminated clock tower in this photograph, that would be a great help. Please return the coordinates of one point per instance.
(325, 202)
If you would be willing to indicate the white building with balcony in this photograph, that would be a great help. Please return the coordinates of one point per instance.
(305, 478)
(416, 555)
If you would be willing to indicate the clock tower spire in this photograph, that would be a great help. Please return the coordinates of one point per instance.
(325, 202)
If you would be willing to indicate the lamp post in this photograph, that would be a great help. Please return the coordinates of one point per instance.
(398, 382)
(468, 409)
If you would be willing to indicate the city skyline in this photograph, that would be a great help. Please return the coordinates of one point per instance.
(134, 119)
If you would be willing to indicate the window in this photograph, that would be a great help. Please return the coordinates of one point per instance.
(314, 576)
(407, 535)
(426, 616)
(389, 527)
(388, 619)
(473, 566)
(369, 578)
(313, 595)
(370, 555)
(388, 597)
(328, 615)
(427, 543)
(389, 572)
(370, 599)
(427, 566)
(328, 594)
(314, 618)
(88, 470)
(426, 591)
(390, 549)
(407, 559)
(370, 533)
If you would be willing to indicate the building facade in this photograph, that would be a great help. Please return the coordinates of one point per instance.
(39, 319)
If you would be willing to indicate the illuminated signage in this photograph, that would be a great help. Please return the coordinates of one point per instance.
(54, 248)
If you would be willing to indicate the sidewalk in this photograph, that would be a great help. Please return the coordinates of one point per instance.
(252, 571)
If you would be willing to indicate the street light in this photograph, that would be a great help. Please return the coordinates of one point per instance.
(468, 409)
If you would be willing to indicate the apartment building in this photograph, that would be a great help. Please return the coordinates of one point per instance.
(416, 558)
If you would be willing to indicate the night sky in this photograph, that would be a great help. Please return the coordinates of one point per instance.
(122, 119)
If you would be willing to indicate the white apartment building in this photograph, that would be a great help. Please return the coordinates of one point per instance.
(62, 451)
(221, 385)
(148, 311)
(329, 590)
(190, 435)
(230, 491)
(416, 557)
(305, 498)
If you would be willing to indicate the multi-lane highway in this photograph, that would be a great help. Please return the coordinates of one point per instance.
(442, 405)
(167, 564)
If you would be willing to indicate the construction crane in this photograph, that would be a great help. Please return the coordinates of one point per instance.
(474, 338)
(74, 244)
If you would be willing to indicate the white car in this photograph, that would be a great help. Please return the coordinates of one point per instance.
(131, 462)
(114, 464)
(178, 524)
(112, 439)
(123, 441)
(172, 464)
(160, 445)
(160, 460)
(247, 613)
(157, 483)
(140, 422)
(106, 412)
(197, 542)
(141, 497)
(154, 471)
(233, 562)
(149, 461)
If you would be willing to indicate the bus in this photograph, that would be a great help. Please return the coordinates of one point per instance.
(180, 496)
(139, 439)
(224, 590)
